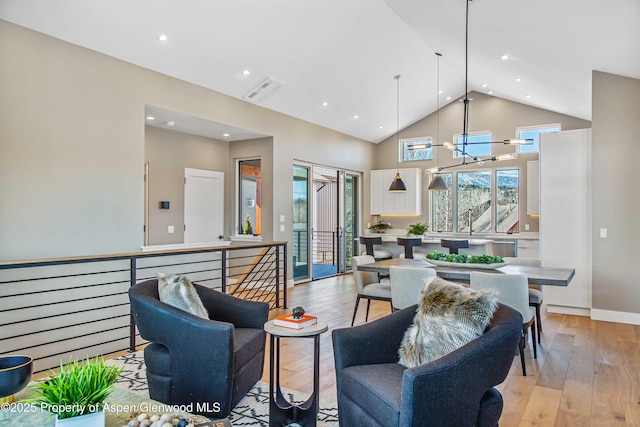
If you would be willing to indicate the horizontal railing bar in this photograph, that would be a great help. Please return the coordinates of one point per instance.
(81, 348)
(77, 336)
(65, 289)
(65, 276)
(67, 326)
(65, 314)
(62, 302)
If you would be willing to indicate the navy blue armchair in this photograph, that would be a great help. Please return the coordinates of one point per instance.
(455, 390)
(193, 360)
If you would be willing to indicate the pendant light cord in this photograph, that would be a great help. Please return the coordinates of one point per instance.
(465, 122)
(397, 118)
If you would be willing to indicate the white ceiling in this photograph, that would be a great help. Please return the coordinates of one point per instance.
(347, 52)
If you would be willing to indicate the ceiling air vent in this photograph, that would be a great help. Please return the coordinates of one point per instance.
(263, 90)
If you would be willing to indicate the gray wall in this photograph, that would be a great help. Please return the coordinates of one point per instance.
(72, 146)
(487, 113)
(615, 184)
(168, 154)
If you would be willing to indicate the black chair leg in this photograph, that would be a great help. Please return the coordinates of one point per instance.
(355, 310)
(539, 322)
(521, 345)
(366, 318)
(533, 340)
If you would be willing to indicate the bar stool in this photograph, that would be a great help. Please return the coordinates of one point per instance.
(454, 245)
(408, 244)
(368, 243)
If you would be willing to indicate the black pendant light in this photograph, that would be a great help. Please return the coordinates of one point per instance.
(397, 185)
(437, 183)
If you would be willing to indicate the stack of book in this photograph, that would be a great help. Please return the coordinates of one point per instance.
(287, 321)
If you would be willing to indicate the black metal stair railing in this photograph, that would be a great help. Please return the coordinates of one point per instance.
(58, 309)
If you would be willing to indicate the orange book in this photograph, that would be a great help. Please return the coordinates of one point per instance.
(288, 321)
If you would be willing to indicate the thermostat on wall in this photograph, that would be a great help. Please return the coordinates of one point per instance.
(164, 205)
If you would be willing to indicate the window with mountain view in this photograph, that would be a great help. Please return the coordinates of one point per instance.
(534, 132)
(415, 149)
(474, 198)
(442, 205)
(474, 148)
(507, 200)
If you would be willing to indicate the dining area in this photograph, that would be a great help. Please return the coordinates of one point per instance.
(516, 282)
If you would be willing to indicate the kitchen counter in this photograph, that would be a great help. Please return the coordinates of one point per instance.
(481, 243)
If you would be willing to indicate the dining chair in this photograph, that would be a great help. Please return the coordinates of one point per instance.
(407, 284)
(369, 243)
(535, 291)
(368, 286)
(408, 243)
(511, 290)
(454, 245)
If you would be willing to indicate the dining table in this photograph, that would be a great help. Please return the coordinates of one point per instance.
(547, 276)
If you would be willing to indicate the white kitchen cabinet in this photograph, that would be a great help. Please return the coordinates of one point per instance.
(533, 187)
(528, 248)
(385, 202)
(565, 236)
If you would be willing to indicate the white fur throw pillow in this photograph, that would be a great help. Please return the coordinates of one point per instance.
(178, 292)
(448, 317)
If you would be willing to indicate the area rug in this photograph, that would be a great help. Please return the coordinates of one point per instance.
(253, 410)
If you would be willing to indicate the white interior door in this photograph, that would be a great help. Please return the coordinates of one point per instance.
(203, 205)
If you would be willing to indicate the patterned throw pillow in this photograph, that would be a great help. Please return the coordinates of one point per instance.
(178, 292)
(448, 316)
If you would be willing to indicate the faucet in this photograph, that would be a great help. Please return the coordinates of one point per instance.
(470, 219)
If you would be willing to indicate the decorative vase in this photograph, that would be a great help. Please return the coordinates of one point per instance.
(94, 419)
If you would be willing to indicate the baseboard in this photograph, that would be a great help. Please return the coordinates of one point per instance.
(615, 316)
(563, 309)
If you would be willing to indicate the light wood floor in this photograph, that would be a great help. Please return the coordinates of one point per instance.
(587, 372)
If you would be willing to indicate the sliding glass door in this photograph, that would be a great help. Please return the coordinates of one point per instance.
(325, 221)
(301, 222)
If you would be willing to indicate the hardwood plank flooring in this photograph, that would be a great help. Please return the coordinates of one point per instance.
(587, 372)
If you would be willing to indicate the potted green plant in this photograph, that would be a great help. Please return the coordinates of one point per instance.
(417, 229)
(380, 227)
(77, 393)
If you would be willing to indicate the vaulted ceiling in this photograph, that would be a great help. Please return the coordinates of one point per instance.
(345, 53)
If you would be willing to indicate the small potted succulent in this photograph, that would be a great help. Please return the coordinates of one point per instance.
(380, 227)
(417, 229)
(77, 393)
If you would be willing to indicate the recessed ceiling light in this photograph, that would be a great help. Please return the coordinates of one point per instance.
(356, 117)
(490, 92)
(171, 123)
(505, 57)
(528, 96)
(163, 37)
(150, 118)
(518, 79)
(225, 134)
(246, 72)
(380, 127)
(448, 98)
(324, 104)
(440, 92)
(484, 85)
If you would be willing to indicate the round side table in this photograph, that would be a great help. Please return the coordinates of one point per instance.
(281, 411)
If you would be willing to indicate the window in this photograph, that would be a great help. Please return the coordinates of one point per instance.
(534, 132)
(474, 199)
(474, 149)
(415, 149)
(442, 205)
(249, 197)
(507, 198)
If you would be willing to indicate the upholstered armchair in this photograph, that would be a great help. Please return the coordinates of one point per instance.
(454, 390)
(189, 359)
